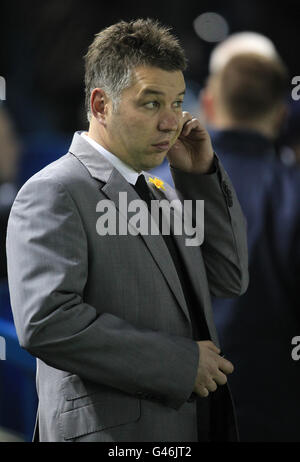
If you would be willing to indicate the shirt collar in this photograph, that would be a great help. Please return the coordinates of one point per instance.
(125, 170)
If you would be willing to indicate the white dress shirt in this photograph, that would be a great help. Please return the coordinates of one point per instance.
(124, 169)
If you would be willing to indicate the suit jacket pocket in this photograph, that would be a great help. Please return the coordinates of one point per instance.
(92, 407)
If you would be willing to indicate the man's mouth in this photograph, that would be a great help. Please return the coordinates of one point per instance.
(162, 146)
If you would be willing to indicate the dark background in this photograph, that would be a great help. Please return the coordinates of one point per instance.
(43, 43)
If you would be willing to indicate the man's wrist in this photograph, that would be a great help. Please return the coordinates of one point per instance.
(210, 169)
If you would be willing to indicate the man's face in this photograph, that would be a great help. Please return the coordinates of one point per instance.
(149, 118)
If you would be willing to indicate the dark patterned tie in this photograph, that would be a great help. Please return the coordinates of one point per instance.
(143, 190)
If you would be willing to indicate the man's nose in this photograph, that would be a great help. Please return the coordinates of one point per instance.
(168, 122)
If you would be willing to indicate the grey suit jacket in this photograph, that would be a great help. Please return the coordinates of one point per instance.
(105, 315)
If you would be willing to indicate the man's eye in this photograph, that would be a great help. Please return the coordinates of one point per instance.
(178, 103)
(152, 104)
(155, 104)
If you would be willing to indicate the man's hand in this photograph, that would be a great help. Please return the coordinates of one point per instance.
(192, 152)
(212, 369)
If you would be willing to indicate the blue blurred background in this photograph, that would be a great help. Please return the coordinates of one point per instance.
(41, 59)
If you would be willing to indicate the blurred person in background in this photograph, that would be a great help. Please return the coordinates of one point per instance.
(17, 385)
(290, 149)
(244, 103)
(287, 137)
(9, 168)
(240, 42)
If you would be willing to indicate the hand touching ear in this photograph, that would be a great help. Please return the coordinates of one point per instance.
(192, 152)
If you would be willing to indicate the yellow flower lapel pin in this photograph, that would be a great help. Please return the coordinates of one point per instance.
(157, 182)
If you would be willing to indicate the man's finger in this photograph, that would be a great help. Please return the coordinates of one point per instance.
(220, 378)
(202, 391)
(211, 385)
(226, 366)
(186, 117)
(189, 126)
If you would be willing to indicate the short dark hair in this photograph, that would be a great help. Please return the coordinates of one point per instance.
(252, 85)
(119, 48)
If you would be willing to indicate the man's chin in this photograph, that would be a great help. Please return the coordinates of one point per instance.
(155, 161)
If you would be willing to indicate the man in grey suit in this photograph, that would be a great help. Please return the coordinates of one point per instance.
(121, 322)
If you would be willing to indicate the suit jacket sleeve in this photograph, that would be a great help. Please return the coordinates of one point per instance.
(224, 248)
(47, 252)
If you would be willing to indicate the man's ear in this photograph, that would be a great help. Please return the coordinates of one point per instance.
(99, 105)
(280, 117)
(207, 104)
